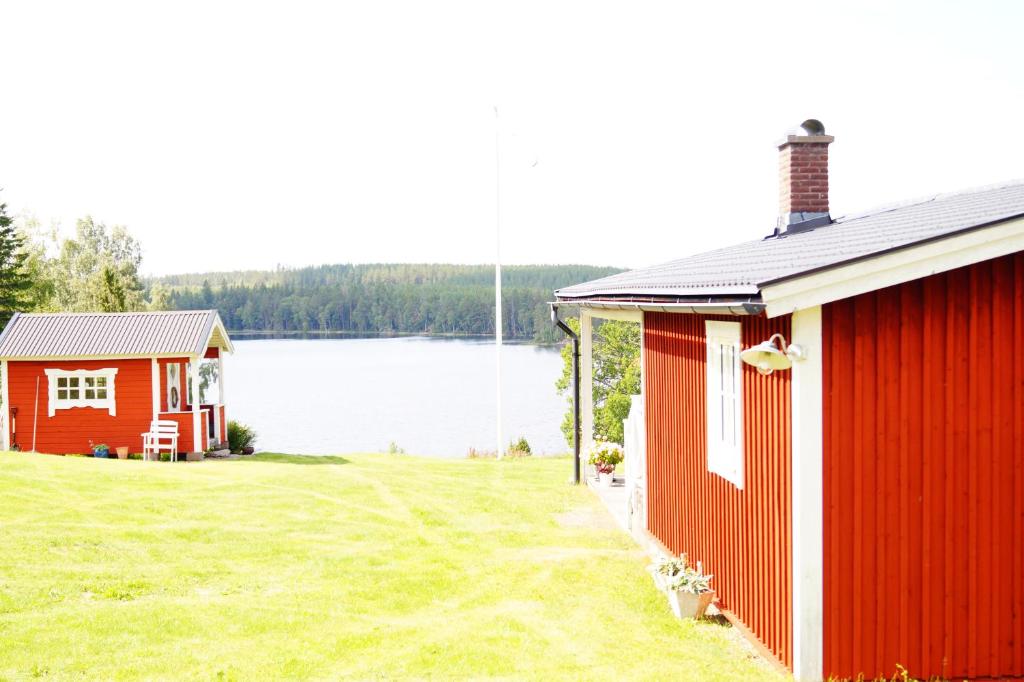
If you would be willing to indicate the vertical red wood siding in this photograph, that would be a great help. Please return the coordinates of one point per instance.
(185, 431)
(69, 431)
(743, 536)
(924, 476)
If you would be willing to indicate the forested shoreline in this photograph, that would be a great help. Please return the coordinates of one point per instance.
(380, 298)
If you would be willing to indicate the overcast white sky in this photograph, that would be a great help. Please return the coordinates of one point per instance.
(237, 135)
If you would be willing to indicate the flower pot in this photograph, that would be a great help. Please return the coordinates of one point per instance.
(248, 451)
(659, 579)
(604, 480)
(689, 605)
(102, 453)
(122, 452)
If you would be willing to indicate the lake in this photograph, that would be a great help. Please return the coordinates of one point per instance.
(430, 396)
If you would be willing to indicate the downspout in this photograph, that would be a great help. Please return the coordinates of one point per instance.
(575, 391)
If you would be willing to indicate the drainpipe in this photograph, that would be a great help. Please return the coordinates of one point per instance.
(575, 391)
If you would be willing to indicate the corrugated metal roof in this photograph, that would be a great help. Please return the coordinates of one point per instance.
(107, 335)
(742, 270)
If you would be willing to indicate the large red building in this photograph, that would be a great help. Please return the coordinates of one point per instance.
(68, 380)
(862, 505)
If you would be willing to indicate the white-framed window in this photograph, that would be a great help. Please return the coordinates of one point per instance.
(81, 388)
(725, 401)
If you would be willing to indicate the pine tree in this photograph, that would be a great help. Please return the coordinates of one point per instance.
(15, 282)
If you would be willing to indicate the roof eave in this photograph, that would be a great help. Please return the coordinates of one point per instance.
(724, 306)
(213, 325)
(793, 277)
(895, 266)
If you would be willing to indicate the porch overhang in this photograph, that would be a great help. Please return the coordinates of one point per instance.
(654, 305)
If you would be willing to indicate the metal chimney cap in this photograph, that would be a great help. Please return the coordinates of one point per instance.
(813, 126)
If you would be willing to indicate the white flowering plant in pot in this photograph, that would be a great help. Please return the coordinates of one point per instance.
(605, 456)
(688, 588)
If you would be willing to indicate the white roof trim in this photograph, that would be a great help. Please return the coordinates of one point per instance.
(215, 326)
(91, 358)
(894, 267)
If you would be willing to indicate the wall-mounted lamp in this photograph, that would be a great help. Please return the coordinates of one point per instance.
(769, 356)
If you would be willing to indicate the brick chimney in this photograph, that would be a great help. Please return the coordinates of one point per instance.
(803, 179)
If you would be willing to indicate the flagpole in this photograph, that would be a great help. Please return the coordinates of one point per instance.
(497, 278)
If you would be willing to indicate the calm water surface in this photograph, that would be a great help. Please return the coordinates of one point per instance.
(430, 396)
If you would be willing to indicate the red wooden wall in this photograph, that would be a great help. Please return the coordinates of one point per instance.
(69, 431)
(185, 431)
(741, 536)
(924, 476)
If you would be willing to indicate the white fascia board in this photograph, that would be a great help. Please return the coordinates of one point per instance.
(77, 358)
(894, 268)
(216, 325)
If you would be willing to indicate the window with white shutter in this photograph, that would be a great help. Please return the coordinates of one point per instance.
(81, 388)
(725, 401)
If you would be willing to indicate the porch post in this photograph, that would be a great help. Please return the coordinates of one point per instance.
(221, 436)
(156, 388)
(197, 427)
(220, 376)
(808, 503)
(5, 391)
(587, 376)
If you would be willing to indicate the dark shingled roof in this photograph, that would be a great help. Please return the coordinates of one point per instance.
(743, 269)
(107, 335)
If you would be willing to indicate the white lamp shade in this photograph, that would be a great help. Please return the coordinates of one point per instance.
(767, 357)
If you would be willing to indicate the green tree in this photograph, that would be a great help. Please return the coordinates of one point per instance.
(616, 376)
(97, 269)
(159, 297)
(381, 298)
(15, 281)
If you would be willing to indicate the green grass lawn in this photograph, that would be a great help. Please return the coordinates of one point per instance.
(366, 567)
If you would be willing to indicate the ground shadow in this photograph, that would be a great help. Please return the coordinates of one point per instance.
(281, 458)
(716, 619)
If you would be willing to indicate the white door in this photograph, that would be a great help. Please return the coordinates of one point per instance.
(174, 387)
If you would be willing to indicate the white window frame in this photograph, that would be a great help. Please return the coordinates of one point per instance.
(55, 403)
(725, 401)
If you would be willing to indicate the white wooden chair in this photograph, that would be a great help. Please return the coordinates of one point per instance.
(162, 435)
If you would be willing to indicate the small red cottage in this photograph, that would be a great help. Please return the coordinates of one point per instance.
(857, 485)
(72, 378)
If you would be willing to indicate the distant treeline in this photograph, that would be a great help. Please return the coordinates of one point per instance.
(381, 299)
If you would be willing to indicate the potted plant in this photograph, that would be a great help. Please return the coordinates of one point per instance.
(688, 588)
(604, 455)
(122, 452)
(101, 450)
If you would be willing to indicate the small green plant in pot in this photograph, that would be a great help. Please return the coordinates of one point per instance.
(688, 589)
(101, 450)
(605, 456)
(241, 438)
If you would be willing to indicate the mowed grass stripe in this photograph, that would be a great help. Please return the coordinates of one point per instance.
(359, 567)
